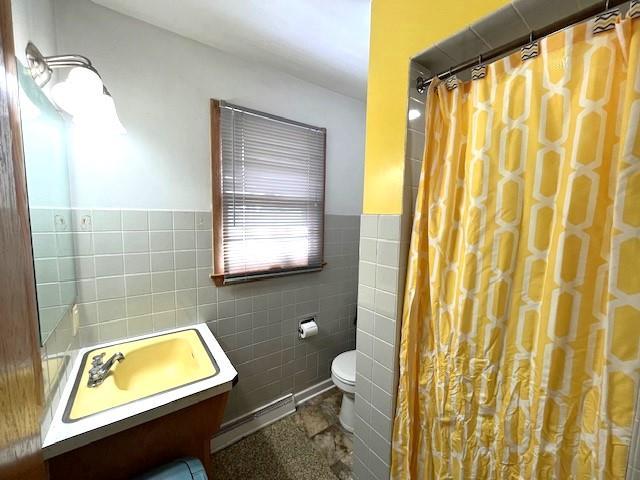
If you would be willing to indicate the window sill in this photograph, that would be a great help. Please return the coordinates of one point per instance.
(222, 280)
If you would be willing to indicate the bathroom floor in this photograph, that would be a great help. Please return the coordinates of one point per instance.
(310, 444)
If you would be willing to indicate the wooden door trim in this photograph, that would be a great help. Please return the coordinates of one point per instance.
(22, 397)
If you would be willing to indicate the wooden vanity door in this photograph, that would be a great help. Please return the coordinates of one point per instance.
(132, 452)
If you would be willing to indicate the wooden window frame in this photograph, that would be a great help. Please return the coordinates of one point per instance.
(216, 183)
(218, 274)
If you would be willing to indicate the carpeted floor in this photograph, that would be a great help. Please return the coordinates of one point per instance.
(309, 444)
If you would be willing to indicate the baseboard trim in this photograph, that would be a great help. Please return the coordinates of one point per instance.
(313, 391)
(243, 426)
(240, 427)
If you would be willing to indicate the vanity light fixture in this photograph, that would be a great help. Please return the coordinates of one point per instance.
(82, 95)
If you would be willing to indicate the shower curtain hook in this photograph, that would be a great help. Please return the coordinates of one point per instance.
(531, 35)
(479, 59)
(606, 5)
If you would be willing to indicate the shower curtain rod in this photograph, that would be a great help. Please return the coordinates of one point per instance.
(501, 51)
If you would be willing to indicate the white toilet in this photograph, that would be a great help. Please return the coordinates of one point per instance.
(343, 374)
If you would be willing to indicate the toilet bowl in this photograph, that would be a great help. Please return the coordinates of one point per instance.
(343, 374)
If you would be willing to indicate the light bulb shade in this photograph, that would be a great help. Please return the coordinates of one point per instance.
(81, 87)
(86, 81)
(82, 96)
(100, 114)
(107, 112)
(64, 97)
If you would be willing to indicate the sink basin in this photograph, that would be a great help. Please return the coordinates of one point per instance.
(151, 366)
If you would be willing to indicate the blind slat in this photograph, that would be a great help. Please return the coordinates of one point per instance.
(272, 194)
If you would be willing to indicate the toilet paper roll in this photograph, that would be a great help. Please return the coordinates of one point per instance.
(308, 329)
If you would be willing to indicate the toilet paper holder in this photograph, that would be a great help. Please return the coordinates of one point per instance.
(302, 322)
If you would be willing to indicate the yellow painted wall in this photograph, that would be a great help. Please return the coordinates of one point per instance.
(399, 30)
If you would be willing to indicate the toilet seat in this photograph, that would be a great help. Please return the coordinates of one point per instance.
(343, 370)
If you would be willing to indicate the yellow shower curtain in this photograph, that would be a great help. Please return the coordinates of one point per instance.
(520, 343)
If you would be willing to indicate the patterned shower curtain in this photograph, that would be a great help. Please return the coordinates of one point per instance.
(520, 348)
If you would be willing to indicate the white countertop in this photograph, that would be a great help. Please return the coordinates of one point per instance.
(62, 437)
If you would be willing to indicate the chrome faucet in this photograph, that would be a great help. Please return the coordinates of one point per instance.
(99, 370)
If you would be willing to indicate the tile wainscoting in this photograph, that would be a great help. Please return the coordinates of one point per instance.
(384, 246)
(383, 253)
(138, 272)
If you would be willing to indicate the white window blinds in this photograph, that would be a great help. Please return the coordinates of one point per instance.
(270, 209)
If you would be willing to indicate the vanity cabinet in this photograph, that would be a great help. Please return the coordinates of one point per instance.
(134, 451)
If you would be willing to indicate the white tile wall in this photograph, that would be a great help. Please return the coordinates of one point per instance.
(381, 279)
(54, 267)
(384, 243)
(153, 271)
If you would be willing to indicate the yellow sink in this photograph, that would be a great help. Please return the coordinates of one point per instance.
(151, 365)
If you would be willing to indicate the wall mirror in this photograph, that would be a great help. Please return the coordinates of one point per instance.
(44, 132)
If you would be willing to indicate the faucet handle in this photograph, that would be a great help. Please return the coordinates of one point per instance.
(99, 370)
(97, 359)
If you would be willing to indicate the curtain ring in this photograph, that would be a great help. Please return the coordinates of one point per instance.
(606, 5)
(479, 59)
(531, 35)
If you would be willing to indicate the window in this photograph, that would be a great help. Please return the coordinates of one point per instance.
(268, 194)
